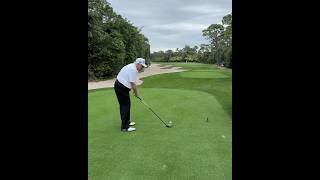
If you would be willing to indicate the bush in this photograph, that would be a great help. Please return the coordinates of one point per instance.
(228, 58)
(176, 59)
(91, 76)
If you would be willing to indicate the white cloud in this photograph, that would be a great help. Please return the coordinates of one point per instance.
(180, 26)
(171, 24)
(202, 9)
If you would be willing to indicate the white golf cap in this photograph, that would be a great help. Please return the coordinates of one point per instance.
(141, 61)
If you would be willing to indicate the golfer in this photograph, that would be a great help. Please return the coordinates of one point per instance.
(124, 83)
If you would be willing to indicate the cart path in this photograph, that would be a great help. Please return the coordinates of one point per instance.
(151, 70)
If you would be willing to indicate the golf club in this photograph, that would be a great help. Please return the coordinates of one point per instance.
(167, 125)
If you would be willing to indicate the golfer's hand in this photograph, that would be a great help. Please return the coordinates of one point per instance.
(138, 96)
(135, 94)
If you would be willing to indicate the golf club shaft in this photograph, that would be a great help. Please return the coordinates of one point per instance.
(152, 110)
(158, 116)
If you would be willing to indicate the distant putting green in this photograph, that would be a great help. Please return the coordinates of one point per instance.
(197, 147)
(203, 74)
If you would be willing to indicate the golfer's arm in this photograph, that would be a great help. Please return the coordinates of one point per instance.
(135, 88)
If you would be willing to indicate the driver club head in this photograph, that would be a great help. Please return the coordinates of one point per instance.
(169, 125)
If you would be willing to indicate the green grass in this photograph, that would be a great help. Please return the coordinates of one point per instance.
(192, 149)
(203, 74)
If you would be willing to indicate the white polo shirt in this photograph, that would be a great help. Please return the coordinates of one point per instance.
(128, 74)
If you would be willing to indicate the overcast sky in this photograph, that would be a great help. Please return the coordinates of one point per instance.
(171, 24)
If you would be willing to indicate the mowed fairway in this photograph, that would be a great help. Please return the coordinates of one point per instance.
(197, 101)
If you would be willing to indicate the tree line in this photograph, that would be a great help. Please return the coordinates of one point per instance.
(218, 51)
(113, 41)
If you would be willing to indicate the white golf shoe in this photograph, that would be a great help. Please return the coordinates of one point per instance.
(132, 124)
(131, 129)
